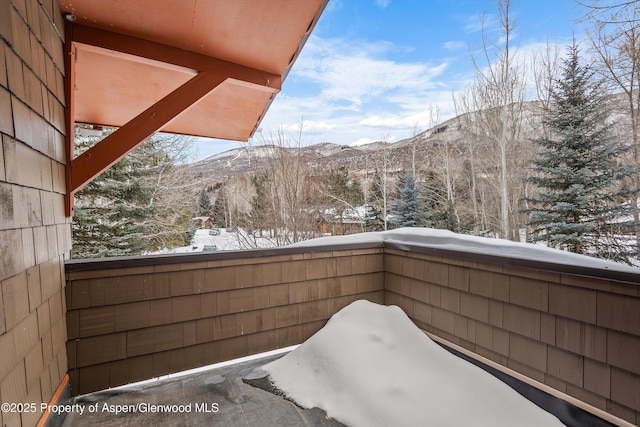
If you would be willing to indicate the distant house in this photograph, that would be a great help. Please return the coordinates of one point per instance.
(350, 221)
(319, 220)
(203, 222)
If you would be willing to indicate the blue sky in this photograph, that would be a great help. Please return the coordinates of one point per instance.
(374, 69)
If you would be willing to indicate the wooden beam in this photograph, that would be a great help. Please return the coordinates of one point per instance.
(171, 55)
(105, 153)
(69, 111)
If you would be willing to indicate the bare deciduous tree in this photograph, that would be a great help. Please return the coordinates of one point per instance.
(465, 121)
(172, 181)
(383, 167)
(287, 189)
(495, 101)
(615, 39)
(446, 166)
(610, 12)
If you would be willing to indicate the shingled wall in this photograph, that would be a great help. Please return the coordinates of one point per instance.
(133, 323)
(34, 233)
(575, 333)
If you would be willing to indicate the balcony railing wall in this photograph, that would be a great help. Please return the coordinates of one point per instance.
(576, 330)
(578, 334)
(134, 319)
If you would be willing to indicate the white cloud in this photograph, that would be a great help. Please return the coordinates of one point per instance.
(311, 126)
(474, 23)
(383, 3)
(379, 121)
(351, 75)
(454, 45)
(353, 90)
(422, 119)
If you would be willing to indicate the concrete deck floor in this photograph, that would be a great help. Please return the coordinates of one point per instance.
(238, 404)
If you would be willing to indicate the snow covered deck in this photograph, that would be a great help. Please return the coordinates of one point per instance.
(566, 323)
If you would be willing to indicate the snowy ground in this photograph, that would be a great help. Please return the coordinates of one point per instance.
(371, 366)
(203, 241)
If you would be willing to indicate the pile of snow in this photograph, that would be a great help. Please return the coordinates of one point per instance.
(444, 239)
(371, 366)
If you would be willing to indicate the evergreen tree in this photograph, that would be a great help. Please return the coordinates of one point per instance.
(111, 211)
(445, 218)
(374, 217)
(441, 209)
(371, 218)
(204, 204)
(578, 204)
(341, 191)
(408, 209)
(219, 214)
(134, 206)
(262, 216)
(189, 232)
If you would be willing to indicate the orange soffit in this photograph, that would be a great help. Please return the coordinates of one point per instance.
(131, 54)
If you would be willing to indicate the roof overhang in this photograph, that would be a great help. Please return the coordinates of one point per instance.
(132, 53)
(117, 77)
(205, 68)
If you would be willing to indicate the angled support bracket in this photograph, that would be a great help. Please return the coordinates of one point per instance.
(105, 153)
(108, 151)
(211, 72)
